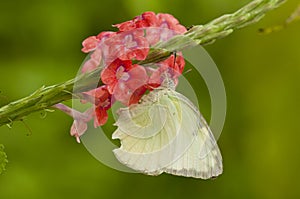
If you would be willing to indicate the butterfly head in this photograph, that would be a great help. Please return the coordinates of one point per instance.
(168, 82)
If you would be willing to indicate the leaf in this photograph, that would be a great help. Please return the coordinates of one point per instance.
(3, 159)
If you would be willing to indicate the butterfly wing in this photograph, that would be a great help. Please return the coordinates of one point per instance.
(151, 154)
(182, 144)
(203, 158)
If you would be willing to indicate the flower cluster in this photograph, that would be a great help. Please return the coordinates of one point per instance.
(117, 52)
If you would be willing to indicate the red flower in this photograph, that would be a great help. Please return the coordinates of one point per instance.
(93, 43)
(93, 62)
(126, 46)
(111, 74)
(128, 88)
(158, 34)
(123, 79)
(102, 101)
(105, 35)
(149, 19)
(176, 65)
(146, 19)
(89, 44)
(167, 67)
(126, 26)
(137, 94)
(165, 26)
(101, 116)
(79, 125)
(170, 22)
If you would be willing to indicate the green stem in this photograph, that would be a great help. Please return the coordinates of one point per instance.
(45, 97)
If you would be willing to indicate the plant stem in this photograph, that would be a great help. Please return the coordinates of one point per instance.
(45, 97)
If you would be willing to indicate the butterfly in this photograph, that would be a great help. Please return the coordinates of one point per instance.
(165, 132)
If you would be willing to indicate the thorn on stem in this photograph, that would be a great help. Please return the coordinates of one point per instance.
(27, 127)
(43, 114)
(49, 110)
(9, 125)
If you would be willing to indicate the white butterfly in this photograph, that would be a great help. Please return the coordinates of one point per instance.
(165, 132)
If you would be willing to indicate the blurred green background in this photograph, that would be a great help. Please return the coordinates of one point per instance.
(40, 45)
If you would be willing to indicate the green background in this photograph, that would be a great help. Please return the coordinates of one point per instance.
(40, 45)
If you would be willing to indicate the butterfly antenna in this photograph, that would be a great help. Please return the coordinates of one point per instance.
(175, 56)
(188, 71)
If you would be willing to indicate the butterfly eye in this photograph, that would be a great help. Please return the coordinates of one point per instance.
(190, 27)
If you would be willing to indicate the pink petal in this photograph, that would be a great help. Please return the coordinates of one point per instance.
(170, 19)
(79, 125)
(137, 95)
(105, 35)
(101, 117)
(89, 44)
(125, 89)
(125, 26)
(171, 22)
(109, 73)
(138, 77)
(78, 128)
(108, 76)
(93, 62)
(153, 35)
(127, 46)
(89, 66)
